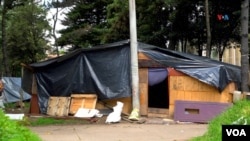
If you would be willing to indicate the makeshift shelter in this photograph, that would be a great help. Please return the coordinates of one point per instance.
(12, 91)
(165, 77)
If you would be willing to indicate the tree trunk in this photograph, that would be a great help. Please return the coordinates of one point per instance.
(244, 45)
(6, 71)
(208, 48)
(55, 19)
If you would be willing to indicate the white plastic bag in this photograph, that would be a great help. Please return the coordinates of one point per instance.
(115, 116)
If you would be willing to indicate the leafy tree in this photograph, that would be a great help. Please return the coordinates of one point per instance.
(86, 23)
(157, 22)
(114, 26)
(190, 14)
(117, 21)
(26, 33)
(227, 27)
(59, 6)
(184, 21)
(153, 21)
(6, 5)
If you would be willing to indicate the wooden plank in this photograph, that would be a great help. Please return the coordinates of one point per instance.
(143, 99)
(143, 75)
(173, 72)
(58, 106)
(82, 101)
(34, 85)
(158, 112)
(83, 96)
(157, 115)
(143, 56)
(186, 88)
(34, 107)
(190, 84)
(143, 63)
(176, 83)
(171, 111)
(143, 86)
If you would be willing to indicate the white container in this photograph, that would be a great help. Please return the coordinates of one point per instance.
(237, 96)
(247, 95)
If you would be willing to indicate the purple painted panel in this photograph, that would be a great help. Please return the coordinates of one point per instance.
(194, 111)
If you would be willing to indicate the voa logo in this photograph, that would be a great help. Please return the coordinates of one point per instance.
(236, 132)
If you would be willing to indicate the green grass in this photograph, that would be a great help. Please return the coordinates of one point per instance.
(238, 110)
(42, 121)
(11, 130)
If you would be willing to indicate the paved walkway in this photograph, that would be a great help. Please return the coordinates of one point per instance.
(123, 131)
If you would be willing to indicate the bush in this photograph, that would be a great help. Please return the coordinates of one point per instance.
(10, 130)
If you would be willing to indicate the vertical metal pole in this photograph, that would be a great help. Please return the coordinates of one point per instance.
(134, 62)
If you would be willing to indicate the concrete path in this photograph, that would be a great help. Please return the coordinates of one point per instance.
(120, 132)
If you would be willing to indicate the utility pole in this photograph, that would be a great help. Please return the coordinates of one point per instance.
(134, 62)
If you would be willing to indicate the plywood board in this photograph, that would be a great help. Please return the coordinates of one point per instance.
(190, 89)
(58, 106)
(171, 111)
(158, 112)
(143, 56)
(82, 101)
(143, 75)
(143, 98)
(190, 84)
(143, 86)
(34, 107)
(177, 82)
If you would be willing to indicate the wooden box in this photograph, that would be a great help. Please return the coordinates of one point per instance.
(58, 106)
(82, 101)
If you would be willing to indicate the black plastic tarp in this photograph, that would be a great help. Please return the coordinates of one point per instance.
(13, 91)
(209, 71)
(105, 70)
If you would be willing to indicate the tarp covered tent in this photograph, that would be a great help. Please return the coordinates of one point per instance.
(12, 90)
(105, 70)
(210, 71)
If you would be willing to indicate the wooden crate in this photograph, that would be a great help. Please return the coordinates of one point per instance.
(58, 106)
(82, 101)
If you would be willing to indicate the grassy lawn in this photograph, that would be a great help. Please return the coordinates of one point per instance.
(14, 131)
(42, 121)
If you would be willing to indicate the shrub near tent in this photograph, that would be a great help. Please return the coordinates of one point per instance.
(12, 131)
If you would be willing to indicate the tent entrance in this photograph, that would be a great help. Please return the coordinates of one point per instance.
(158, 97)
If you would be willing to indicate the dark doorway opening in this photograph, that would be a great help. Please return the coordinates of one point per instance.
(158, 96)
